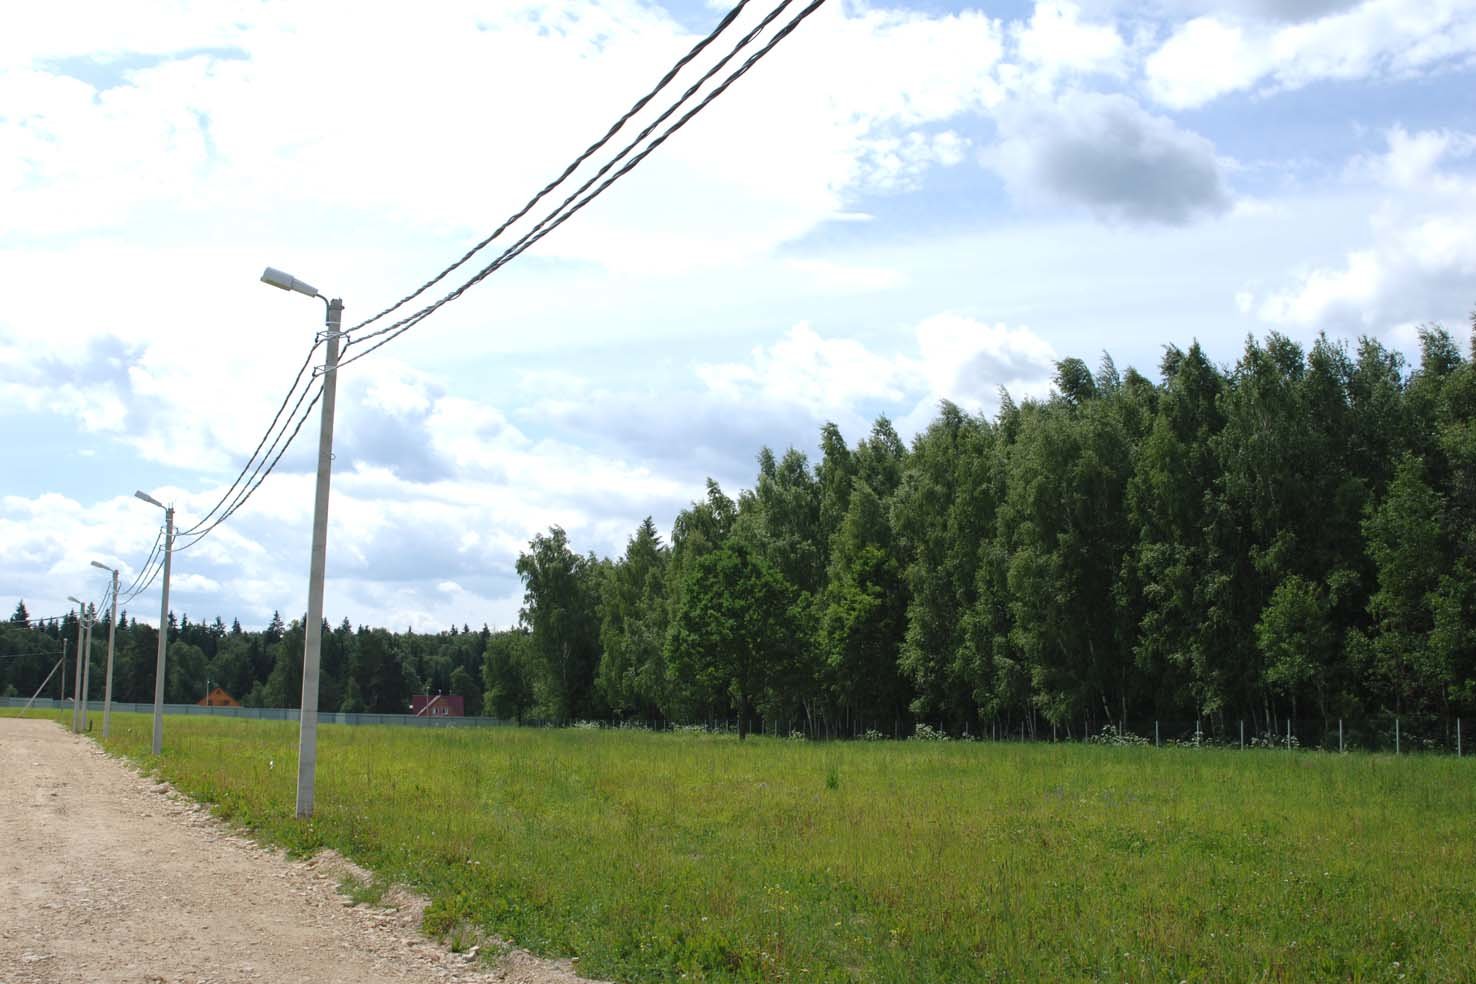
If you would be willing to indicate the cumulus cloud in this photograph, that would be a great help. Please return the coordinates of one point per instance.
(227, 112)
(1213, 55)
(1105, 152)
(1422, 260)
(968, 361)
(822, 375)
(1056, 41)
(952, 357)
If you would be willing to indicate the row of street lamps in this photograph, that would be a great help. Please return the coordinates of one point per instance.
(312, 631)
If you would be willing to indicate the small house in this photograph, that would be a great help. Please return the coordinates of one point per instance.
(439, 705)
(217, 698)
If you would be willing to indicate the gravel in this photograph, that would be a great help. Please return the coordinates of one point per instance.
(108, 876)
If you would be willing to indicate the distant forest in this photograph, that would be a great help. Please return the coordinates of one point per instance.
(1290, 537)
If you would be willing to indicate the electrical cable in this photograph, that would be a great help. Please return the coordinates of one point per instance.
(256, 470)
(153, 573)
(270, 428)
(589, 151)
(158, 540)
(532, 234)
(257, 474)
(247, 493)
(395, 330)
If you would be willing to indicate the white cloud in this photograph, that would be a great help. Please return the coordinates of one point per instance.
(968, 361)
(952, 357)
(191, 136)
(1411, 163)
(1055, 41)
(1213, 55)
(825, 376)
(1106, 152)
(1422, 261)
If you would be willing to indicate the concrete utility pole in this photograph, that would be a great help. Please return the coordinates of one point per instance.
(112, 633)
(77, 677)
(312, 641)
(163, 622)
(87, 668)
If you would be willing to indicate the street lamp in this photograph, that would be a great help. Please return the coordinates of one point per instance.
(312, 636)
(112, 631)
(163, 621)
(84, 643)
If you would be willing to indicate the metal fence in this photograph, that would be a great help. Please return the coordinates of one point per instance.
(1398, 734)
(270, 714)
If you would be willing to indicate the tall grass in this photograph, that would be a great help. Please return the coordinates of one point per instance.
(664, 857)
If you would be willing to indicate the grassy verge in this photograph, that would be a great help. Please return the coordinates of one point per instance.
(659, 857)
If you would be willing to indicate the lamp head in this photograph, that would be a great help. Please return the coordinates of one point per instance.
(103, 567)
(275, 277)
(148, 498)
(76, 599)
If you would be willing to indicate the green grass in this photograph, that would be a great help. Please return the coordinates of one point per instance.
(668, 857)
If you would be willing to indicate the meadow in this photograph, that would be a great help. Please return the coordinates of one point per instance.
(657, 857)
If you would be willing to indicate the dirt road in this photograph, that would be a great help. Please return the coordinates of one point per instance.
(106, 876)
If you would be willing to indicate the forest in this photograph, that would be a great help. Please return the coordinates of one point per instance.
(1290, 537)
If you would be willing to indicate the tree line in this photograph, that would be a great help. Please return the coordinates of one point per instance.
(362, 670)
(1293, 536)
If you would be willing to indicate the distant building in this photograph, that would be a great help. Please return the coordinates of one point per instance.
(441, 705)
(217, 698)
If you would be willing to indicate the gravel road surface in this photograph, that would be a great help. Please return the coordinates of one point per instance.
(107, 876)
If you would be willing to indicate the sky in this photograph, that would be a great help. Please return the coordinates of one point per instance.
(902, 204)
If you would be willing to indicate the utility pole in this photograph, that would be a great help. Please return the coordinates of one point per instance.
(163, 634)
(312, 635)
(112, 633)
(87, 666)
(312, 643)
(77, 677)
(163, 621)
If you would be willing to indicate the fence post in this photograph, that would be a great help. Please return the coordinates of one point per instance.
(1340, 736)
(1396, 736)
(1288, 734)
(1156, 743)
(1242, 734)
(1458, 737)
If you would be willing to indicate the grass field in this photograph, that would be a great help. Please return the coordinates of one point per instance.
(668, 857)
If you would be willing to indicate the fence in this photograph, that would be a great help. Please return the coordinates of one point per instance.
(271, 714)
(1397, 734)
(1387, 733)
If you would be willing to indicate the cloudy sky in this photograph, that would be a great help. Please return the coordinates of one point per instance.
(903, 204)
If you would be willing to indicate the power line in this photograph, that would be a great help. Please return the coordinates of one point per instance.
(538, 232)
(256, 470)
(248, 492)
(554, 217)
(153, 574)
(270, 428)
(589, 151)
(158, 540)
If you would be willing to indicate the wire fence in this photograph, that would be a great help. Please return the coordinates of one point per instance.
(1397, 734)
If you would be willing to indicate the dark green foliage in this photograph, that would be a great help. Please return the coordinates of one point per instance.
(729, 635)
(561, 599)
(507, 675)
(632, 670)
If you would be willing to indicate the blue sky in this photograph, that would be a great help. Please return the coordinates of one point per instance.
(906, 203)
